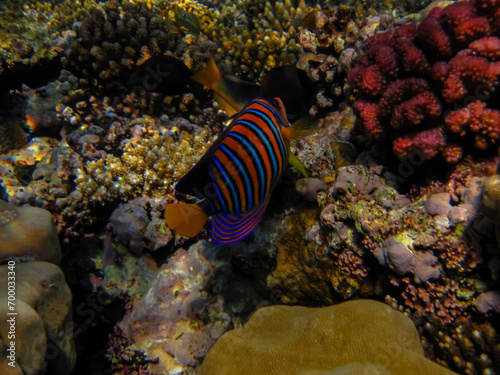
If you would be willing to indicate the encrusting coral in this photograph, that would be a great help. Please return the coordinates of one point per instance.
(348, 338)
(39, 243)
(176, 321)
(43, 305)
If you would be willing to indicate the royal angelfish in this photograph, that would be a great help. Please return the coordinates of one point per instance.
(234, 179)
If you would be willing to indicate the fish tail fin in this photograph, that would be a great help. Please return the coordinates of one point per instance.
(185, 219)
(303, 127)
(209, 76)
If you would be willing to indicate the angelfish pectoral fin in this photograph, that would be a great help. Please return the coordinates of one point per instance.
(231, 228)
(295, 162)
(185, 219)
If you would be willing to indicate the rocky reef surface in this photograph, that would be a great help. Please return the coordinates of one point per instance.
(392, 244)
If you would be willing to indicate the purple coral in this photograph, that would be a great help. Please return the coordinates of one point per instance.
(402, 260)
(138, 224)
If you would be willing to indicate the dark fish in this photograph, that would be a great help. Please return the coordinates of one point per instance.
(236, 176)
(230, 92)
(164, 74)
(289, 83)
(292, 86)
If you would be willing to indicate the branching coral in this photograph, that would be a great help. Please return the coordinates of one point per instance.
(272, 42)
(112, 41)
(467, 347)
(410, 78)
(445, 298)
(149, 165)
(37, 32)
(115, 38)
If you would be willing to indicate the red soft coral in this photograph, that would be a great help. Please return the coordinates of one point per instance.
(467, 74)
(400, 91)
(413, 59)
(433, 39)
(415, 110)
(418, 73)
(478, 119)
(368, 79)
(428, 142)
(488, 47)
(370, 119)
(472, 29)
(455, 14)
(387, 61)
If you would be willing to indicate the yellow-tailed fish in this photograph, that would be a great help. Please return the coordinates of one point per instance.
(190, 22)
(230, 92)
(170, 76)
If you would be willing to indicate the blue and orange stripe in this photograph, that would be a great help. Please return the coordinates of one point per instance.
(250, 159)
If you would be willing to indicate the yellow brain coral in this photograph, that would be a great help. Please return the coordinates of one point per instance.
(355, 337)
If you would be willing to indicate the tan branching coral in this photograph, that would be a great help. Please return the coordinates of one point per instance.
(148, 166)
(114, 39)
(250, 36)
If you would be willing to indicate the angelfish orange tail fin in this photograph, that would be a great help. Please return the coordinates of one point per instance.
(185, 219)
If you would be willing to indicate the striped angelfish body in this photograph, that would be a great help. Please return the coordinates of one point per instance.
(235, 177)
(245, 168)
(250, 159)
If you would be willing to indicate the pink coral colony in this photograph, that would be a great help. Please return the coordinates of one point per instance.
(429, 87)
